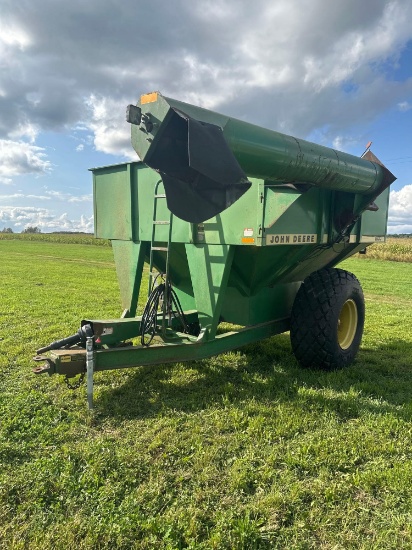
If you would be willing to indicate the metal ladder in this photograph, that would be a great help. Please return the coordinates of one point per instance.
(166, 249)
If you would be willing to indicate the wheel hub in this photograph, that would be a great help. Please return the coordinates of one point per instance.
(347, 324)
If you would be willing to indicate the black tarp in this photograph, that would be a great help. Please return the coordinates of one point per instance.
(200, 173)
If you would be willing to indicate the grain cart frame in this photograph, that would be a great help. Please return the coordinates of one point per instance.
(238, 224)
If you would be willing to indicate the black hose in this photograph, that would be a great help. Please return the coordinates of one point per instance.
(79, 338)
(172, 308)
(58, 344)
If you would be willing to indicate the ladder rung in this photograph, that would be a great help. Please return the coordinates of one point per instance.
(161, 196)
(163, 248)
(156, 222)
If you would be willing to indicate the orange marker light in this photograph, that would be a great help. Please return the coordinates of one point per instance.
(149, 98)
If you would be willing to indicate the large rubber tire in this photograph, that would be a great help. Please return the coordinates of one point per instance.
(327, 319)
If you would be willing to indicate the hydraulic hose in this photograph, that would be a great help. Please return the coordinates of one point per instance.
(80, 337)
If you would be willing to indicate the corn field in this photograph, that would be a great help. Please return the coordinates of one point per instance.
(395, 249)
(64, 238)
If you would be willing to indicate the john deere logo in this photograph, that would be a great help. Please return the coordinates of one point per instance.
(293, 238)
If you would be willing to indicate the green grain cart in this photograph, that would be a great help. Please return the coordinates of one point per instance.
(237, 224)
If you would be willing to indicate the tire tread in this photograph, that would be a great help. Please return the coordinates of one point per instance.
(314, 309)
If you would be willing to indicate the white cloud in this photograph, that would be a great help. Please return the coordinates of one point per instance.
(68, 197)
(12, 36)
(25, 130)
(20, 157)
(108, 122)
(400, 210)
(80, 147)
(18, 218)
(6, 181)
(360, 46)
(23, 196)
(11, 197)
(403, 228)
(343, 143)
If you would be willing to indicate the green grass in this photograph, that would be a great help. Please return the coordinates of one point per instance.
(244, 450)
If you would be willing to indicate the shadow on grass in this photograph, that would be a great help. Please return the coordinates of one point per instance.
(267, 372)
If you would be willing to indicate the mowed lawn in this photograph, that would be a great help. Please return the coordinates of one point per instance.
(244, 450)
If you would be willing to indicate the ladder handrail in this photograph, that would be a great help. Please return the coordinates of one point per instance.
(166, 249)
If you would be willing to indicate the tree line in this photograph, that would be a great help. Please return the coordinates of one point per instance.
(29, 229)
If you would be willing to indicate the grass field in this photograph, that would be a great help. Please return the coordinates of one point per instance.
(243, 451)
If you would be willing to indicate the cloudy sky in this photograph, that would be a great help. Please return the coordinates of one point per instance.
(337, 73)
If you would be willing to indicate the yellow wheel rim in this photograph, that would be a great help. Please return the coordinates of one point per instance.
(347, 324)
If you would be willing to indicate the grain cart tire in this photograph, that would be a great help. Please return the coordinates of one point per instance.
(327, 319)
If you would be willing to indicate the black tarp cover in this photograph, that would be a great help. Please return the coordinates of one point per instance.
(201, 176)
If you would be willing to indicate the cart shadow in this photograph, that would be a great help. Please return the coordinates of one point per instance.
(378, 382)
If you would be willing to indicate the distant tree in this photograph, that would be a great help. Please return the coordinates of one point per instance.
(31, 229)
(7, 230)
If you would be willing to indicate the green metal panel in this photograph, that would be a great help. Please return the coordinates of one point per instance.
(112, 202)
(300, 217)
(374, 223)
(277, 201)
(129, 258)
(124, 196)
(119, 210)
(240, 224)
(269, 303)
(209, 267)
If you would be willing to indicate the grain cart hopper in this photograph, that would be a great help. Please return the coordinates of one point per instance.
(238, 224)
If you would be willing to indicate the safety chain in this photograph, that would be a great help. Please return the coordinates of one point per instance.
(77, 384)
